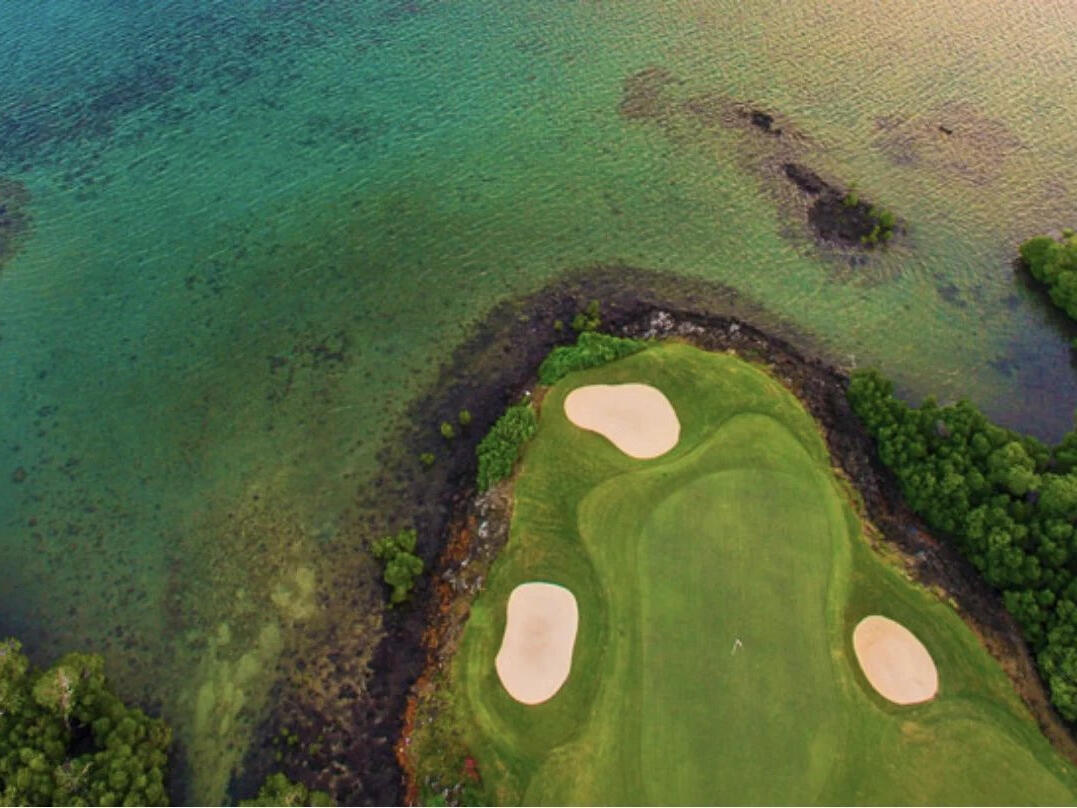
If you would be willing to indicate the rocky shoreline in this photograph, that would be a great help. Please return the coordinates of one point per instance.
(460, 533)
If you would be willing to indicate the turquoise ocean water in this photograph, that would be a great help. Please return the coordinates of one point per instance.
(257, 227)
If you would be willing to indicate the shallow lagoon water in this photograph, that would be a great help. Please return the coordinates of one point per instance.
(258, 227)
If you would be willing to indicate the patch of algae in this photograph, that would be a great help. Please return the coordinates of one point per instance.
(295, 597)
(238, 637)
(226, 683)
(232, 686)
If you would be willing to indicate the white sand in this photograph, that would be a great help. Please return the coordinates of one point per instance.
(536, 652)
(636, 418)
(896, 663)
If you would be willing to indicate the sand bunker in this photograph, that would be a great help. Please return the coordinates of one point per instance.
(896, 663)
(636, 418)
(536, 651)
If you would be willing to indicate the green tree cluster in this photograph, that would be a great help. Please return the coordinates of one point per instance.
(499, 450)
(67, 739)
(591, 350)
(587, 320)
(278, 790)
(401, 564)
(1007, 501)
(1054, 264)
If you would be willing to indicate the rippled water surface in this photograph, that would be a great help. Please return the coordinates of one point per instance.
(246, 232)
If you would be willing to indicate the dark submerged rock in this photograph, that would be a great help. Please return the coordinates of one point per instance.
(834, 220)
(764, 121)
(838, 216)
(805, 179)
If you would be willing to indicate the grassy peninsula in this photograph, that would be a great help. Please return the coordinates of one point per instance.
(718, 586)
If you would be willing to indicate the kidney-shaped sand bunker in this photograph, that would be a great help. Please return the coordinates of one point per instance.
(894, 661)
(636, 418)
(536, 652)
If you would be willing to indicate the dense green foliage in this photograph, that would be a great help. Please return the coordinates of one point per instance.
(670, 561)
(279, 790)
(402, 566)
(1054, 263)
(1007, 501)
(502, 445)
(67, 739)
(590, 350)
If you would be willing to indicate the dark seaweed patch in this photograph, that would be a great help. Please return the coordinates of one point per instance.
(15, 218)
(774, 149)
(967, 145)
(805, 179)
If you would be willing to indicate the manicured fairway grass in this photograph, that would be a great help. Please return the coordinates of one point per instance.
(740, 532)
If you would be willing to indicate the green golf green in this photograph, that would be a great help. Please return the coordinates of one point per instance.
(718, 586)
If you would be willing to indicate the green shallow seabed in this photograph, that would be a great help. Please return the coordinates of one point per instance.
(740, 532)
(259, 226)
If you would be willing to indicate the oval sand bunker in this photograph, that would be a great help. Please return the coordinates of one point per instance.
(636, 418)
(536, 651)
(896, 664)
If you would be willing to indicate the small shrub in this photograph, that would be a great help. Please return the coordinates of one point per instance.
(464, 417)
(590, 350)
(447, 430)
(279, 790)
(883, 222)
(587, 320)
(499, 450)
(851, 199)
(558, 326)
(427, 459)
(401, 565)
